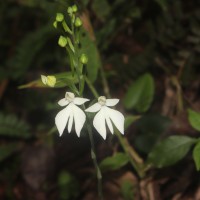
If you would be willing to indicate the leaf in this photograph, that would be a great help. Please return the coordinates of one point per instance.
(130, 119)
(28, 49)
(90, 49)
(149, 128)
(170, 150)
(101, 8)
(10, 126)
(140, 94)
(68, 186)
(114, 162)
(7, 150)
(196, 155)
(62, 80)
(127, 190)
(194, 119)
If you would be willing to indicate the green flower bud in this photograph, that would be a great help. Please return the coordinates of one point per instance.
(84, 59)
(74, 8)
(62, 41)
(59, 17)
(78, 22)
(69, 10)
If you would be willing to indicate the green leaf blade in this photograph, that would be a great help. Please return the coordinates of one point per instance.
(114, 162)
(194, 119)
(170, 150)
(196, 155)
(10, 126)
(90, 49)
(140, 94)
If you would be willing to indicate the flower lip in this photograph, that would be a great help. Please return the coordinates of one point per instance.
(102, 100)
(69, 96)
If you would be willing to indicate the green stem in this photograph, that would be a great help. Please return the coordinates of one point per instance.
(104, 82)
(134, 158)
(94, 158)
(92, 88)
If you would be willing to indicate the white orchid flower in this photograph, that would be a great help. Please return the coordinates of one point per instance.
(107, 116)
(70, 113)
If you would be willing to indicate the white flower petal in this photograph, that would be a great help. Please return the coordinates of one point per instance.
(99, 123)
(94, 108)
(62, 118)
(116, 117)
(70, 122)
(44, 79)
(63, 102)
(111, 102)
(109, 123)
(79, 119)
(80, 101)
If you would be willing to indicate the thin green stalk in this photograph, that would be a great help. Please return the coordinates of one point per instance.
(92, 88)
(104, 82)
(94, 158)
(134, 158)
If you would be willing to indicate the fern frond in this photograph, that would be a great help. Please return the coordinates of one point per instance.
(27, 50)
(12, 127)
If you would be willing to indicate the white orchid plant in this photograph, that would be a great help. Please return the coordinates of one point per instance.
(74, 111)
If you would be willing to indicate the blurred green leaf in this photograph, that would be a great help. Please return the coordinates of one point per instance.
(140, 94)
(170, 150)
(89, 48)
(101, 8)
(62, 80)
(28, 49)
(68, 186)
(194, 119)
(114, 162)
(130, 119)
(10, 126)
(196, 155)
(149, 128)
(127, 190)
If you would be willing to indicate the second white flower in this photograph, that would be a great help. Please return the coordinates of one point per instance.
(107, 116)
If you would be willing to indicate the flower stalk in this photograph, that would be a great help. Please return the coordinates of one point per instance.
(77, 62)
(94, 158)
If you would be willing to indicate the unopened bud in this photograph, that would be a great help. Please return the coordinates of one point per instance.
(74, 8)
(69, 10)
(84, 59)
(59, 17)
(62, 41)
(78, 22)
